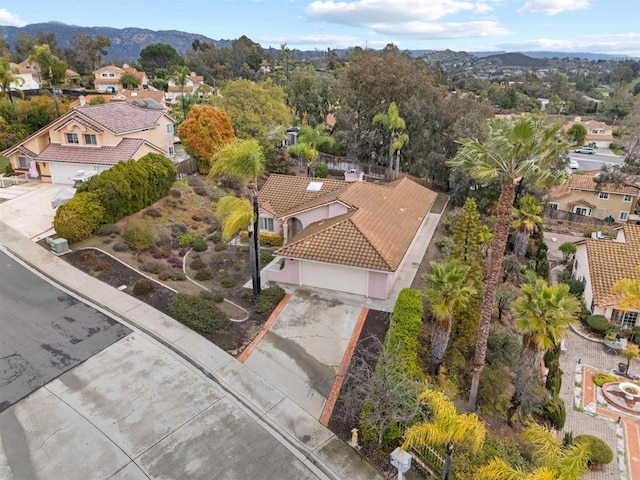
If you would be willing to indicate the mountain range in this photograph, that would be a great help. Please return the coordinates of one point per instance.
(126, 43)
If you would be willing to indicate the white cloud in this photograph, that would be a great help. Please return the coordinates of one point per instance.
(362, 13)
(553, 7)
(11, 19)
(615, 44)
(425, 30)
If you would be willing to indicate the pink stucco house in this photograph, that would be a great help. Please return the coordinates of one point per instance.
(347, 236)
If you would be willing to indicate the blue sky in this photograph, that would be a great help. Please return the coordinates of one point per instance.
(599, 26)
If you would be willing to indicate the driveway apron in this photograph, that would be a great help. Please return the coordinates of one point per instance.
(302, 351)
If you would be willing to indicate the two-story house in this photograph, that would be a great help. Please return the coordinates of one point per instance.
(107, 79)
(29, 77)
(194, 85)
(600, 263)
(581, 196)
(93, 139)
(347, 236)
(597, 132)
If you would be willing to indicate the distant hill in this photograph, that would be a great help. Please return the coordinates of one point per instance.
(516, 60)
(582, 55)
(126, 43)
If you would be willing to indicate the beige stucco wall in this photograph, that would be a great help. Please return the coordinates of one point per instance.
(581, 272)
(613, 206)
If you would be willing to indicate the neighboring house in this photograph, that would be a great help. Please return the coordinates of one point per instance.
(580, 196)
(107, 79)
(194, 86)
(142, 98)
(597, 132)
(92, 139)
(29, 78)
(600, 263)
(350, 237)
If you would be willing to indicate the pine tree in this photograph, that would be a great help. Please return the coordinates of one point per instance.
(467, 239)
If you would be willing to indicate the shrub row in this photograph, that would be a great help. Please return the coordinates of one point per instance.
(197, 313)
(266, 238)
(268, 299)
(404, 331)
(126, 188)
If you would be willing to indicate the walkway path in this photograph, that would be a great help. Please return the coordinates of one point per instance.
(576, 384)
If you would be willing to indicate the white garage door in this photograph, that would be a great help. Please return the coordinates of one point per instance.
(61, 173)
(334, 277)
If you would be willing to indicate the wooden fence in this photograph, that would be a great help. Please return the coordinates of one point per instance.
(186, 166)
(573, 217)
(345, 164)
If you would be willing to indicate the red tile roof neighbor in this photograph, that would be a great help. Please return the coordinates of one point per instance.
(104, 155)
(610, 261)
(375, 234)
(120, 117)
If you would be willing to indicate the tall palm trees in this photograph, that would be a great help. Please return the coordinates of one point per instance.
(542, 315)
(393, 122)
(446, 427)
(527, 220)
(244, 160)
(555, 461)
(514, 152)
(448, 290)
(309, 140)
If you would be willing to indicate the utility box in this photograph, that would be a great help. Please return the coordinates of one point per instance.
(59, 245)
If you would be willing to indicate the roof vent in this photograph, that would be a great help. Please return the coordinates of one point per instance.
(314, 186)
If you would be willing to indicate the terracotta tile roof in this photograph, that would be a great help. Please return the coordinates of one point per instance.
(120, 117)
(26, 151)
(287, 194)
(375, 234)
(610, 261)
(585, 182)
(82, 121)
(105, 155)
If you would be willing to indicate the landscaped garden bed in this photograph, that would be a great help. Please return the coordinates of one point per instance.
(163, 243)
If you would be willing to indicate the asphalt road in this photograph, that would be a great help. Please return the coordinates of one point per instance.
(594, 161)
(43, 332)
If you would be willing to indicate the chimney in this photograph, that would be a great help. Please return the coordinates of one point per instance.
(577, 119)
(83, 100)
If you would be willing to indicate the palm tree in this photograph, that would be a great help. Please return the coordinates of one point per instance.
(542, 315)
(448, 290)
(447, 428)
(556, 462)
(393, 122)
(309, 141)
(182, 73)
(244, 160)
(527, 221)
(514, 152)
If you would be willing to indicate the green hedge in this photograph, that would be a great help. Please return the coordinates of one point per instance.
(79, 217)
(598, 323)
(599, 452)
(197, 313)
(404, 331)
(128, 187)
(268, 299)
(556, 412)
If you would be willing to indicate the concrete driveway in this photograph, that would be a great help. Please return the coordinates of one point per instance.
(136, 411)
(28, 208)
(301, 351)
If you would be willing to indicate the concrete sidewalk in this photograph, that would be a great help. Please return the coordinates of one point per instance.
(294, 428)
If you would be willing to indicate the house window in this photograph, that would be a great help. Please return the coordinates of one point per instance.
(172, 151)
(169, 127)
(553, 206)
(72, 138)
(627, 198)
(112, 75)
(625, 319)
(582, 211)
(266, 224)
(90, 139)
(624, 215)
(23, 162)
(603, 195)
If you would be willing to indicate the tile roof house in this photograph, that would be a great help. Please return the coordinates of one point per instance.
(350, 237)
(92, 139)
(30, 78)
(108, 78)
(597, 132)
(600, 263)
(580, 196)
(194, 85)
